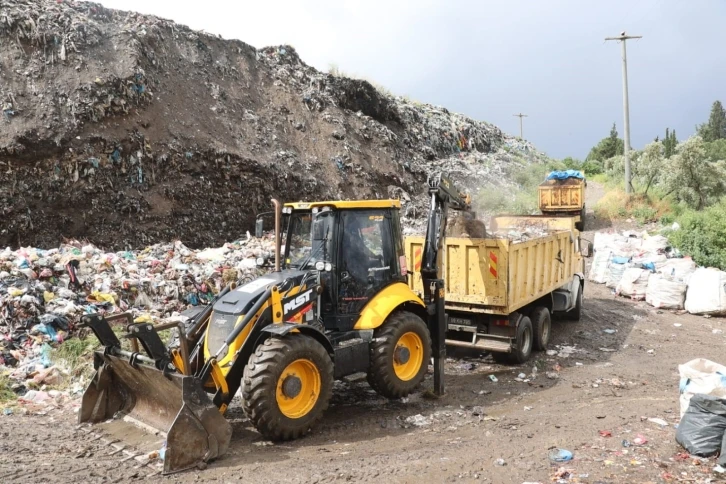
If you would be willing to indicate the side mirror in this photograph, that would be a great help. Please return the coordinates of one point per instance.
(586, 249)
(259, 227)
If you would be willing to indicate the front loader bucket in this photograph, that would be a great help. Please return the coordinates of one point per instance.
(173, 404)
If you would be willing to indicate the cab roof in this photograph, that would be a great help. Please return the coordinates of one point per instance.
(346, 204)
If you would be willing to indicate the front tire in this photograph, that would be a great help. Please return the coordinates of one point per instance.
(287, 385)
(575, 313)
(400, 355)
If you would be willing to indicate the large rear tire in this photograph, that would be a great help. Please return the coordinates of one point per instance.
(287, 386)
(542, 327)
(522, 349)
(581, 224)
(400, 355)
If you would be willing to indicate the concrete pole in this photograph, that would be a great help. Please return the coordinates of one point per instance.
(521, 130)
(626, 110)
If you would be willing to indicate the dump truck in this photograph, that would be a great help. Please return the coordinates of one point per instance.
(502, 291)
(563, 194)
(337, 302)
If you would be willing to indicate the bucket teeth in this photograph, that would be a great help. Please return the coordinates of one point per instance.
(171, 403)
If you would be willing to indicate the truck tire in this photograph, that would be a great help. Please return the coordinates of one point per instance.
(542, 327)
(575, 313)
(581, 224)
(400, 355)
(287, 385)
(522, 349)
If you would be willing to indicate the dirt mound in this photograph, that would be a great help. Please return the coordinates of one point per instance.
(128, 129)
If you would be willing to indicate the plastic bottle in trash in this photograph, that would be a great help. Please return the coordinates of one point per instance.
(45, 355)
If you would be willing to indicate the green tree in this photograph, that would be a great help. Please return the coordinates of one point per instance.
(607, 147)
(716, 150)
(669, 143)
(715, 128)
(691, 177)
(649, 165)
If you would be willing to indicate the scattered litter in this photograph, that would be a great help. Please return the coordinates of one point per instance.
(418, 420)
(493, 378)
(500, 462)
(658, 421)
(610, 331)
(560, 455)
(605, 433)
(640, 440)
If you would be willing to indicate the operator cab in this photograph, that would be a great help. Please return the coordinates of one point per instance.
(357, 248)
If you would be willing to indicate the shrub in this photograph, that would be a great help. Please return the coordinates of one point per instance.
(703, 235)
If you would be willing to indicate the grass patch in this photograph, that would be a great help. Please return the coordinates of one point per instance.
(617, 205)
(6, 392)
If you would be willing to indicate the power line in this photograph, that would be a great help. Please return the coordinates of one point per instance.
(520, 116)
(626, 108)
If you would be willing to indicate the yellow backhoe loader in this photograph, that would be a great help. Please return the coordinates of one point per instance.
(336, 303)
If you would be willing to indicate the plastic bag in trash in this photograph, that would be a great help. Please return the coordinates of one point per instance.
(701, 376)
(702, 428)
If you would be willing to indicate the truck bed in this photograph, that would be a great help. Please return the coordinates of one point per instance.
(523, 260)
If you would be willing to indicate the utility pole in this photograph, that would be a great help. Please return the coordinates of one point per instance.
(520, 116)
(626, 109)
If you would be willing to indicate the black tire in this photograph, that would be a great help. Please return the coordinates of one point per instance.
(382, 375)
(260, 385)
(522, 349)
(542, 327)
(525, 338)
(575, 313)
(581, 224)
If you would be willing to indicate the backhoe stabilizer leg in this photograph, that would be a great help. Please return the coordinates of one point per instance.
(437, 328)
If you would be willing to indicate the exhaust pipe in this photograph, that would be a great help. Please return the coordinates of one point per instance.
(278, 241)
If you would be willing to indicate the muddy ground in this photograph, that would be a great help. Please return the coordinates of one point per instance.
(612, 381)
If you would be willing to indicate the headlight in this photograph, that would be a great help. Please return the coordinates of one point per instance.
(320, 265)
(260, 261)
(328, 266)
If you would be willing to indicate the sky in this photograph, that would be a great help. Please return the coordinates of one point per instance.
(491, 59)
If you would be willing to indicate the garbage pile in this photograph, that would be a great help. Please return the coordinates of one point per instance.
(44, 293)
(88, 148)
(702, 429)
(645, 267)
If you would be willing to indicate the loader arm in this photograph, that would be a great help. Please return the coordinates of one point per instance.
(444, 195)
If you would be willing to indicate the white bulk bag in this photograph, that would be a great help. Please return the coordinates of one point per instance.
(665, 293)
(706, 292)
(633, 283)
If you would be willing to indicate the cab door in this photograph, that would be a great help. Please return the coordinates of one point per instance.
(368, 261)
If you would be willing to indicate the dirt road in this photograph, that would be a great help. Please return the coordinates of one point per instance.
(614, 369)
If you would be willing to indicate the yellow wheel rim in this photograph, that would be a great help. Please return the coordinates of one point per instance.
(298, 388)
(408, 356)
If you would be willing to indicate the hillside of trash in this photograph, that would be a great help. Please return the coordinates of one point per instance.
(128, 130)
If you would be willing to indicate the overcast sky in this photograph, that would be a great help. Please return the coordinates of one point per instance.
(491, 59)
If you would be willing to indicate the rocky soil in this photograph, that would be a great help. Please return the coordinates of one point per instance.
(128, 129)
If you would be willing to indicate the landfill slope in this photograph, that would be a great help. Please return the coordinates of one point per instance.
(126, 130)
